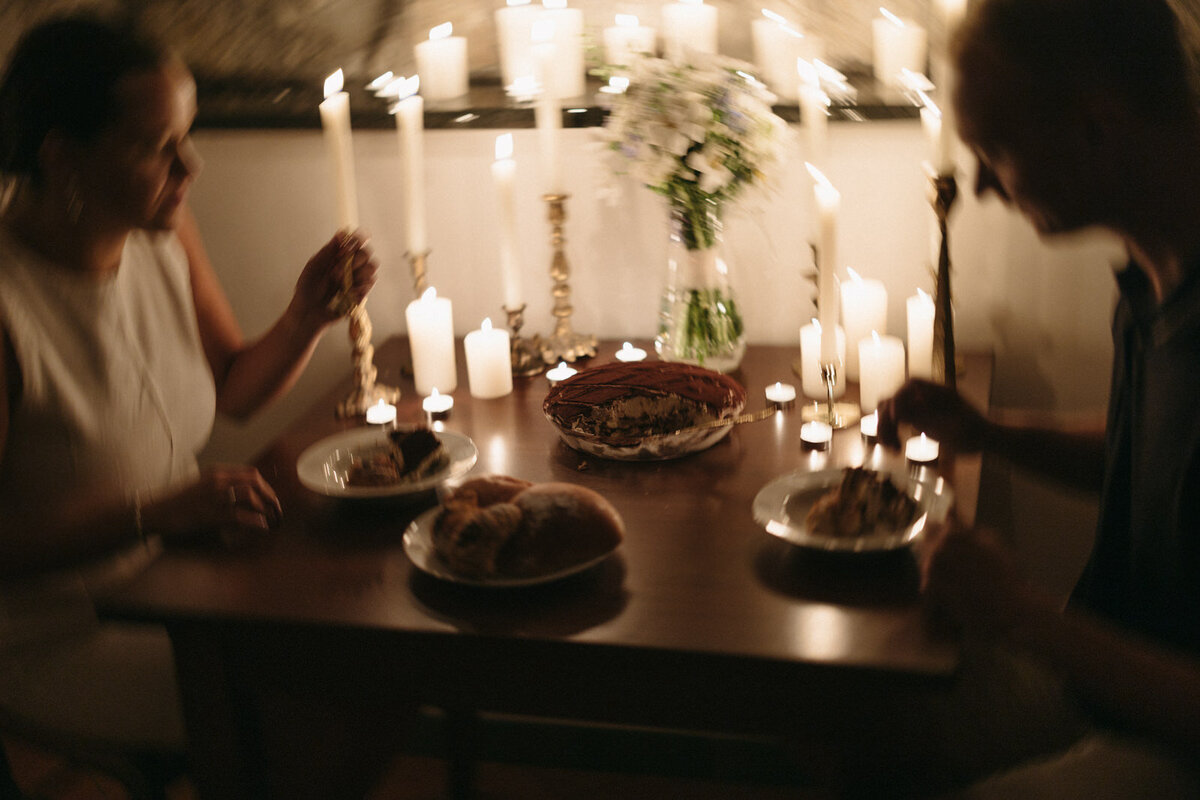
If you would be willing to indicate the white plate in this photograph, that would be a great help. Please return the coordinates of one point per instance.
(782, 506)
(418, 545)
(323, 466)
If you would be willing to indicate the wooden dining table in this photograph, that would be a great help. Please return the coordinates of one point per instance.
(700, 620)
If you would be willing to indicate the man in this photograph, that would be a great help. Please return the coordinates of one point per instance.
(1083, 113)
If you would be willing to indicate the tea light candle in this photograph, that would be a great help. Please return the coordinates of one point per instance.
(437, 405)
(629, 353)
(816, 434)
(689, 25)
(868, 426)
(410, 128)
(627, 40)
(781, 395)
(489, 365)
(881, 369)
(899, 44)
(920, 335)
(431, 336)
(864, 309)
(381, 414)
(921, 450)
(514, 23)
(561, 372)
(335, 121)
(811, 382)
(442, 59)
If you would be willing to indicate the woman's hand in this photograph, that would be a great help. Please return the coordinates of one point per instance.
(226, 501)
(338, 277)
(935, 410)
(970, 577)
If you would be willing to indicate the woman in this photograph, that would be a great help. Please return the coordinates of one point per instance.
(117, 345)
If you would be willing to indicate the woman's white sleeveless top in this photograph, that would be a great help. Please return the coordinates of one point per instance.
(117, 397)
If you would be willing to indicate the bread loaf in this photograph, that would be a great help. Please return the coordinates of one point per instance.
(504, 527)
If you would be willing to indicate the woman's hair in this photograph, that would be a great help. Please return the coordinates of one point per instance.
(1057, 49)
(63, 76)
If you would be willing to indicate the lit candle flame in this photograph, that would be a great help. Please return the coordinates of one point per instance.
(771, 15)
(890, 17)
(381, 83)
(504, 146)
(826, 194)
(854, 276)
(925, 298)
(334, 83)
(554, 3)
(442, 31)
(429, 295)
(875, 337)
(486, 325)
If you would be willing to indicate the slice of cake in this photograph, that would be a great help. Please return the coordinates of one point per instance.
(410, 455)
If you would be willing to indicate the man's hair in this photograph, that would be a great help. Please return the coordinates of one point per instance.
(1131, 49)
(63, 76)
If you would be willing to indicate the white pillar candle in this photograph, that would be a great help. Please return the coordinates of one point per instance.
(814, 112)
(689, 25)
(431, 336)
(547, 112)
(811, 382)
(560, 373)
(828, 202)
(504, 172)
(568, 75)
(921, 449)
(335, 121)
(489, 364)
(514, 25)
(627, 40)
(864, 309)
(381, 413)
(629, 353)
(880, 369)
(442, 61)
(410, 128)
(899, 44)
(920, 335)
(777, 45)
(816, 434)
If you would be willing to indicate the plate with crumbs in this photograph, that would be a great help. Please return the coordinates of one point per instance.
(333, 465)
(785, 507)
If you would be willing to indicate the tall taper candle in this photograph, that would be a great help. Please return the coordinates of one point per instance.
(335, 120)
(547, 113)
(504, 171)
(828, 201)
(410, 126)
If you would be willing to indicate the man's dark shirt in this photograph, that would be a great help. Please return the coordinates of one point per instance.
(1144, 570)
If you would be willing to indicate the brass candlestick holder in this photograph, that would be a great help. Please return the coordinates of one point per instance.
(943, 193)
(525, 353)
(564, 344)
(366, 391)
(416, 264)
(835, 415)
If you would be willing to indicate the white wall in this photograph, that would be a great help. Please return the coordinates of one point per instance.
(264, 205)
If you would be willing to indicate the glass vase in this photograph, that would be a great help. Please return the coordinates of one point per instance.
(699, 321)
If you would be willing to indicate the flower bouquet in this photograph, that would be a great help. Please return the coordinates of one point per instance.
(697, 132)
